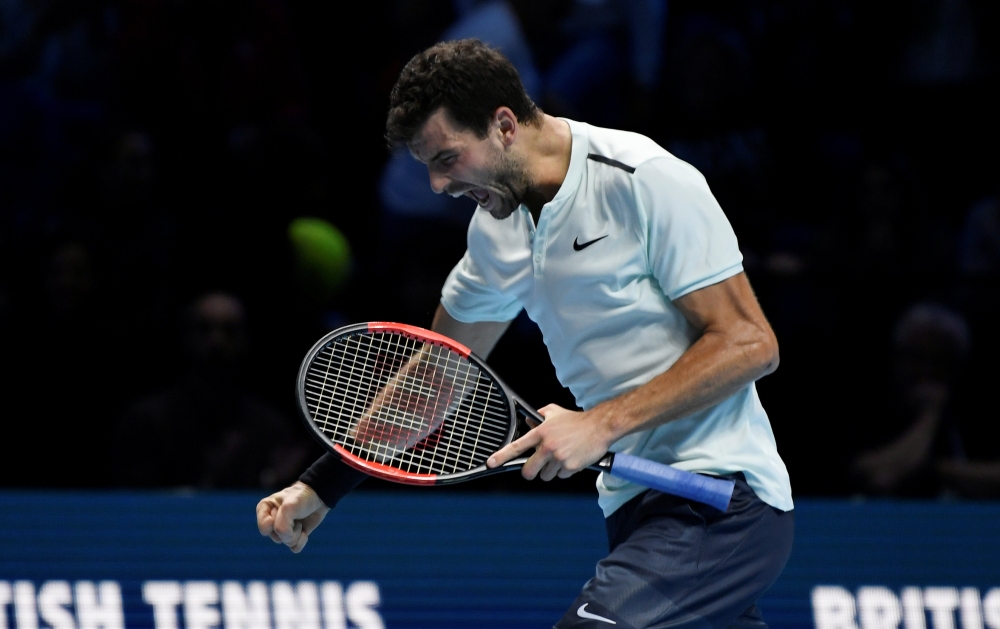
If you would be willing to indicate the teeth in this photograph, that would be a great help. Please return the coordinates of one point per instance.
(481, 196)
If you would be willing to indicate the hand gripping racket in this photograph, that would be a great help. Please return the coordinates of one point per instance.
(412, 406)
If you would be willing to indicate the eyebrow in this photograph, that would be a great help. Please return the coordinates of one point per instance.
(435, 157)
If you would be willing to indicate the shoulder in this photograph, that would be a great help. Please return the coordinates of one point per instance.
(624, 150)
(630, 158)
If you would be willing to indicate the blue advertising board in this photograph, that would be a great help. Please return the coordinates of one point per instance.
(436, 559)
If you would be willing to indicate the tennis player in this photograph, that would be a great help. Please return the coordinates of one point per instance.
(622, 256)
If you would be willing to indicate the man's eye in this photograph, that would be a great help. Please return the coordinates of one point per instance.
(448, 161)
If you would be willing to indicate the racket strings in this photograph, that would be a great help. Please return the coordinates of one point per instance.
(467, 406)
(348, 389)
(390, 418)
(353, 386)
(398, 401)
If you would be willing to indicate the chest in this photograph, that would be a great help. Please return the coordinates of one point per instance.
(597, 241)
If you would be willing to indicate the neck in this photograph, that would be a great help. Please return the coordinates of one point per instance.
(547, 150)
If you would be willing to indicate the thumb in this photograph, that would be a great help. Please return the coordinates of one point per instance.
(544, 412)
(548, 409)
(286, 523)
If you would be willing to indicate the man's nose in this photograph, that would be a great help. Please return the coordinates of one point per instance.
(438, 182)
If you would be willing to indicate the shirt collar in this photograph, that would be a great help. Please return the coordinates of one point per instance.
(577, 164)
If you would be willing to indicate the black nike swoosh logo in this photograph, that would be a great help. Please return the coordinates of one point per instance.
(577, 246)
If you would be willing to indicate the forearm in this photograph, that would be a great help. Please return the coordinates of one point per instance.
(480, 337)
(735, 346)
(715, 367)
(331, 479)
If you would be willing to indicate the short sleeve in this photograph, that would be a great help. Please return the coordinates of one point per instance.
(691, 243)
(484, 284)
(469, 297)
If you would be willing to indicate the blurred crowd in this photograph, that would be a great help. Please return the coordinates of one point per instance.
(192, 193)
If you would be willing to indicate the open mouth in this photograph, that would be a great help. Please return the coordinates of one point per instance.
(481, 196)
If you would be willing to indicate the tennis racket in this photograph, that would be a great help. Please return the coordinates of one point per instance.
(411, 406)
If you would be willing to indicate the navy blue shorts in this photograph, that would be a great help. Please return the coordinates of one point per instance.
(677, 563)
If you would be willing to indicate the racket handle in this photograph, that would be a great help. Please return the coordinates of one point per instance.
(714, 492)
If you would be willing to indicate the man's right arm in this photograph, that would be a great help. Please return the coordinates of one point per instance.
(481, 337)
(289, 516)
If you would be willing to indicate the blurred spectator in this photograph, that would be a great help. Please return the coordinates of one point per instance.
(137, 225)
(944, 44)
(887, 245)
(196, 67)
(58, 54)
(69, 284)
(975, 470)
(610, 69)
(712, 123)
(980, 252)
(209, 431)
(500, 24)
(978, 287)
(712, 71)
(930, 346)
(63, 360)
(218, 90)
(56, 75)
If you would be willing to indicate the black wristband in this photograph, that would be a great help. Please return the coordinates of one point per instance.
(331, 479)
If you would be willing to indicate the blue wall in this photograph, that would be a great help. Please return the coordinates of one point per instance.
(435, 559)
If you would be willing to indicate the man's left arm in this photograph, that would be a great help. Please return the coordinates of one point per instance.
(735, 347)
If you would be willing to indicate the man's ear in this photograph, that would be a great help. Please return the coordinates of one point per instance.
(506, 124)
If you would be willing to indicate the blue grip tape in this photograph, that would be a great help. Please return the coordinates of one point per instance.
(714, 492)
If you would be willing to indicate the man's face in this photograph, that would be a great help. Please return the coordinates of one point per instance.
(460, 163)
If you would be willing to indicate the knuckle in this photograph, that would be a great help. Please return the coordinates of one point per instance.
(560, 455)
(282, 529)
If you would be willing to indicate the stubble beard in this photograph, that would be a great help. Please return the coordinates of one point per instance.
(510, 185)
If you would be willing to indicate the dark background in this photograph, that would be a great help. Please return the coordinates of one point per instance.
(155, 151)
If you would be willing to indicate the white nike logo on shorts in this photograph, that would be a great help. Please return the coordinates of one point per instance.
(582, 613)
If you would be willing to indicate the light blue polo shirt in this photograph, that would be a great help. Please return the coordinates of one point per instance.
(631, 229)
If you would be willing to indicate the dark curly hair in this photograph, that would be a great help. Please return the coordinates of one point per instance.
(466, 77)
